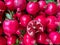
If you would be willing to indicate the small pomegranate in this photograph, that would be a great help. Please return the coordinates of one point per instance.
(41, 19)
(51, 19)
(24, 20)
(51, 23)
(21, 27)
(20, 4)
(2, 7)
(28, 40)
(54, 37)
(51, 8)
(42, 5)
(41, 38)
(18, 14)
(11, 40)
(32, 7)
(9, 4)
(10, 27)
(15, 4)
(33, 27)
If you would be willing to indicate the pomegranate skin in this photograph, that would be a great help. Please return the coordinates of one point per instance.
(24, 20)
(3, 41)
(51, 8)
(32, 7)
(28, 40)
(9, 4)
(20, 4)
(10, 27)
(51, 23)
(42, 14)
(51, 27)
(41, 38)
(42, 5)
(11, 40)
(1, 30)
(2, 7)
(18, 15)
(16, 4)
(42, 19)
(54, 37)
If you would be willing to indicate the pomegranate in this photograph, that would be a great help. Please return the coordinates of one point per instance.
(32, 7)
(24, 20)
(33, 27)
(41, 38)
(10, 27)
(42, 5)
(51, 23)
(15, 4)
(42, 19)
(28, 40)
(2, 7)
(51, 8)
(11, 40)
(54, 37)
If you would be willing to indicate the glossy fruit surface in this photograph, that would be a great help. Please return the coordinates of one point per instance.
(11, 40)
(24, 20)
(2, 7)
(41, 19)
(41, 38)
(54, 36)
(18, 15)
(16, 4)
(51, 8)
(32, 7)
(10, 27)
(42, 5)
(28, 40)
(51, 23)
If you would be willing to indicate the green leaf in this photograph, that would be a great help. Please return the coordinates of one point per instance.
(8, 16)
(49, 1)
(17, 41)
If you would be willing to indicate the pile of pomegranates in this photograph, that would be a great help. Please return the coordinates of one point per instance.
(29, 22)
